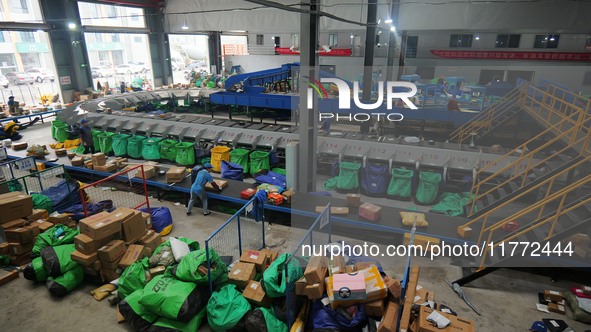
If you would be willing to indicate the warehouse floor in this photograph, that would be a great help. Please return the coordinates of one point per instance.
(506, 298)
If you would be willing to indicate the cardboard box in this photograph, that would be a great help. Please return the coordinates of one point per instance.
(38, 214)
(348, 287)
(111, 252)
(134, 227)
(15, 224)
(248, 193)
(114, 265)
(315, 291)
(20, 260)
(586, 290)
(375, 287)
(83, 259)
(370, 211)
(109, 275)
(149, 172)
(409, 298)
(426, 242)
(334, 210)
(221, 183)
(420, 295)
(63, 219)
(4, 248)
(61, 152)
(255, 257)
(158, 270)
(87, 245)
(557, 308)
(337, 265)
(8, 277)
(133, 253)
(389, 321)
(22, 235)
(375, 308)
(300, 286)
(353, 200)
(77, 161)
(271, 255)
(288, 194)
(151, 240)
(241, 274)
(255, 294)
(19, 146)
(88, 164)
(553, 296)
(15, 205)
(99, 159)
(394, 286)
(71, 155)
(17, 249)
(457, 324)
(107, 168)
(362, 265)
(101, 227)
(464, 231)
(176, 174)
(316, 270)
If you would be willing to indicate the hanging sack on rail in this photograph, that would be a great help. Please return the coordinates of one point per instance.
(400, 187)
(428, 188)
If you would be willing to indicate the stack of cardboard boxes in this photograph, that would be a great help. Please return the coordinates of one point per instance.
(20, 233)
(555, 301)
(99, 163)
(110, 242)
(243, 274)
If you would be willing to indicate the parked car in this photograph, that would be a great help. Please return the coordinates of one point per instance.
(41, 74)
(141, 66)
(102, 71)
(20, 78)
(4, 81)
(127, 69)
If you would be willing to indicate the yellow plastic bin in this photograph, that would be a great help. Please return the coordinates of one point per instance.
(219, 153)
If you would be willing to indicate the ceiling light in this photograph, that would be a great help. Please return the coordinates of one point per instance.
(393, 29)
(185, 27)
(552, 38)
(477, 36)
(388, 21)
(72, 26)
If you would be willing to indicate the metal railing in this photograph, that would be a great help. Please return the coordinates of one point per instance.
(245, 229)
(319, 233)
(486, 119)
(37, 181)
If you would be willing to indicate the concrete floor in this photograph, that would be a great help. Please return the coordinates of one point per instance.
(506, 298)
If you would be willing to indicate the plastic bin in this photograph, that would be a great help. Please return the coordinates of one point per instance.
(259, 160)
(95, 139)
(61, 132)
(120, 144)
(219, 153)
(240, 157)
(168, 149)
(105, 142)
(134, 146)
(185, 153)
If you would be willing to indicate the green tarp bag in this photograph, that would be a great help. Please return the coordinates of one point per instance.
(348, 178)
(42, 202)
(134, 313)
(134, 146)
(168, 149)
(188, 268)
(151, 148)
(133, 278)
(4, 260)
(226, 309)
(168, 325)
(35, 271)
(264, 320)
(169, 297)
(14, 185)
(428, 187)
(55, 236)
(62, 285)
(120, 144)
(193, 245)
(401, 184)
(259, 160)
(279, 171)
(105, 140)
(274, 281)
(95, 139)
(57, 260)
(79, 149)
(452, 204)
(185, 153)
(240, 157)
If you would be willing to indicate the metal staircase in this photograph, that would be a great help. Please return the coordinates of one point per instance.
(492, 117)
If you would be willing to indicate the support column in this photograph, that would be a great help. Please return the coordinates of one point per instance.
(370, 44)
(402, 59)
(392, 42)
(307, 156)
(159, 47)
(215, 51)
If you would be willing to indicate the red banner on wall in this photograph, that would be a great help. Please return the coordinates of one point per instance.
(502, 55)
(321, 52)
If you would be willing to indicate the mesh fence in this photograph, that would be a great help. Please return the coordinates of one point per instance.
(36, 181)
(17, 169)
(244, 230)
(125, 189)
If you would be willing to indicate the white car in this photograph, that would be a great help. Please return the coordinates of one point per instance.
(102, 71)
(4, 81)
(41, 74)
(141, 66)
(127, 69)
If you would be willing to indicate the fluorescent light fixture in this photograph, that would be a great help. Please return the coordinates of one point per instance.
(393, 28)
(238, 31)
(388, 21)
(185, 27)
(477, 36)
(552, 38)
(72, 26)
(40, 30)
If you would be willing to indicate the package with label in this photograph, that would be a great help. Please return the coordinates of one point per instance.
(134, 252)
(102, 225)
(337, 265)
(370, 211)
(151, 240)
(271, 255)
(288, 195)
(241, 274)
(99, 159)
(348, 287)
(353, 200)
(87, 245)
(457, 324)
(221, 184)
(248, 193)
(255, 257)
(553, 296)
(134, 227)
(109, 275)
(111, 251)
(22, 235)
(176, 174)
(63, 219)
(255, 294)
(375, 287)
(316, 270)
(15, 205)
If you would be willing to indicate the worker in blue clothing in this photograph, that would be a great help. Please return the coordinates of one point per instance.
(86, 136)
(198, 190)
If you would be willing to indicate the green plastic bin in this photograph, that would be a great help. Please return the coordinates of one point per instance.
(259, 160)
(240, 157)
(54, 125)
(120, 144)
(105, 142)
(61, 132)
(168, 149)
(185, 153)
(151, 148)
(95, 139)
(134, 146)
